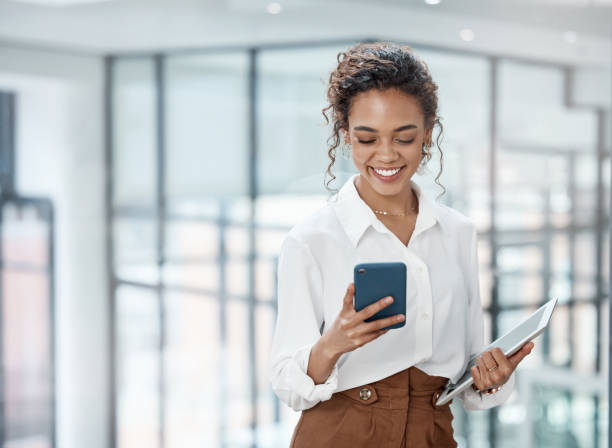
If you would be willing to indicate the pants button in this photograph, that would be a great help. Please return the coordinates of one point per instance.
(365, 393)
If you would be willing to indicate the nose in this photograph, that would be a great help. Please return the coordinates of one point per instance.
(386, 152)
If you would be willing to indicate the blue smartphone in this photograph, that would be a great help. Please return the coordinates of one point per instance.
(373, 281)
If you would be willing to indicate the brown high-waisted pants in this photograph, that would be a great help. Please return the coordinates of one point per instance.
(398, 411)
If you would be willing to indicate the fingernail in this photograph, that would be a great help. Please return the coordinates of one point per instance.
(389, 299)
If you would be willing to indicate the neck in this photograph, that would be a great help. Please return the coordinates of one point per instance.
(402, 202)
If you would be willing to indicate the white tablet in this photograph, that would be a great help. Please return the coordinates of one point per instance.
(509, 343)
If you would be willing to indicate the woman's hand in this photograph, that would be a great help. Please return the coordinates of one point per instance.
(484, 378)
(349, 331)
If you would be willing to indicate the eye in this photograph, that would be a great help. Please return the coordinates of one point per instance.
(367, 142)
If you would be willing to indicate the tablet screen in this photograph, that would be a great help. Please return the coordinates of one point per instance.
(519, 333)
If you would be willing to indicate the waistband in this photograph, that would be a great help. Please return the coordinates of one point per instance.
(404, 389)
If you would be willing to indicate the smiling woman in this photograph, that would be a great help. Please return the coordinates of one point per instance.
(384, 104)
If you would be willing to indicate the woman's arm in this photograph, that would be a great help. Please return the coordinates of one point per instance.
(302, 372)
(322, 361)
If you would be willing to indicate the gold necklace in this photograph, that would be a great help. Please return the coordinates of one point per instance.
(382, 212)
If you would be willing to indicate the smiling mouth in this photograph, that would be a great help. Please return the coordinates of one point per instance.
(387, 175)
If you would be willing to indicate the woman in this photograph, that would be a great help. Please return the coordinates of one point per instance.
(356, 384)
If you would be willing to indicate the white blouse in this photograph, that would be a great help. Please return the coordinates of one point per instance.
(443, 322)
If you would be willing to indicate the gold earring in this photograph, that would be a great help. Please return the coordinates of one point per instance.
(422, 165)
(425, 152)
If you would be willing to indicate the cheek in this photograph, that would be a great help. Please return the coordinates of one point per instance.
(361, 156)
(414, 152)
(411, 156)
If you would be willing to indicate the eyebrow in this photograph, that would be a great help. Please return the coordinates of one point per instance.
(401, 128)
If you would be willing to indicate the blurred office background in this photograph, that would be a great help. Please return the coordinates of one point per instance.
(154, 154)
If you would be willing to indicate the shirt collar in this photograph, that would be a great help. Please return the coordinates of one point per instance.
(356, 216)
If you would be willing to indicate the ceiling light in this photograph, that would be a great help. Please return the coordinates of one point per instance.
(570, 37)
(59, 3)
(466, 34)
(274, 8)
(432, 2)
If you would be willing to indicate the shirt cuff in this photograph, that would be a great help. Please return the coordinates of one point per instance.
(305, 384)
(297, 389)
(473, 400)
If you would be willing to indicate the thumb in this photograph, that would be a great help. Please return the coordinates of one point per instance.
(348, 297)
(524, 351)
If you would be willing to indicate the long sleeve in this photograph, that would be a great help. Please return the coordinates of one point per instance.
(298, 323)
(473, 400)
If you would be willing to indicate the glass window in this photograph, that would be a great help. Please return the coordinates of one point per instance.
(134, 132)
(292, 133)
(135, 249)
(465, 117)
(207, 129)
(193, 379)
(27, 327)
(138, 367)
(532, 113)
(238, 373)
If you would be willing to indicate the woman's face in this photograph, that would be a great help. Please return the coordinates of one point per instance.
(386, 130)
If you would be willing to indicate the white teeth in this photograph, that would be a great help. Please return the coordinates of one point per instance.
(387, 172)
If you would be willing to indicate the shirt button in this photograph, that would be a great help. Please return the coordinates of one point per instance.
(424, 316)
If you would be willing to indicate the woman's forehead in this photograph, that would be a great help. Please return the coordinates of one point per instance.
(385, 111)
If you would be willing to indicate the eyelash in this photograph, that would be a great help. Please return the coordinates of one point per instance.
(372, 141)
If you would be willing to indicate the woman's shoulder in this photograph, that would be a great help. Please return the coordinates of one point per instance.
(314, 226)
(452, 218)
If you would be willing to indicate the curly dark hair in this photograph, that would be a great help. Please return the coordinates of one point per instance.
(379, 65)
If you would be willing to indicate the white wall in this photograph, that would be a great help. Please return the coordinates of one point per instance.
(60, 155)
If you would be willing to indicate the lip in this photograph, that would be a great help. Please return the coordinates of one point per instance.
(387, 179)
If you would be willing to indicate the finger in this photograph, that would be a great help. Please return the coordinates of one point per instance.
(524, 351)
(484, 374)
(381, 323)
(374, 308)
(371, 336)
(505, 367)
(488, 360)
(502, 370)
(348, 296)
(476, 375)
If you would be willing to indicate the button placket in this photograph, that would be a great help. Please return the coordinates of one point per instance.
(424, 324)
